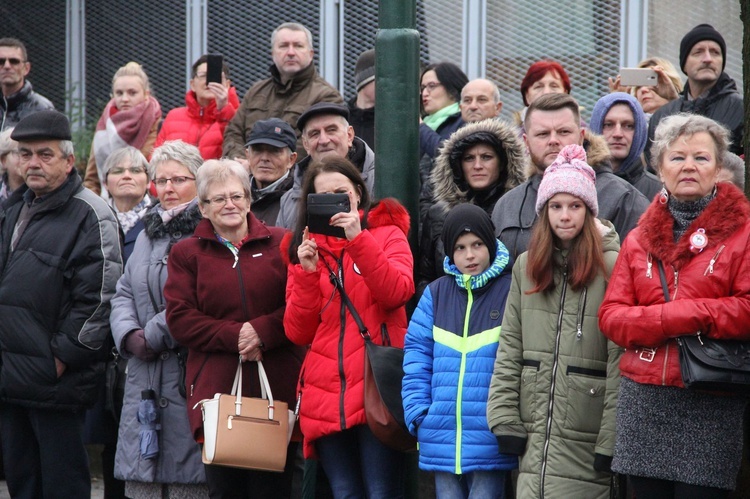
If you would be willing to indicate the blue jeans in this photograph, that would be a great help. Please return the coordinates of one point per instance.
(474, 485)
(359, 466)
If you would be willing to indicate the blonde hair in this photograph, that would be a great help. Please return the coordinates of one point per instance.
(132, 69)
(669, 70)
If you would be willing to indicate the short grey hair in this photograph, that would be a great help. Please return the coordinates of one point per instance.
(129, 153)
(218, 171)
(7, 144)
(735, 166)
(292, 27)
(67, 148)
(673, 127)
(176, 150)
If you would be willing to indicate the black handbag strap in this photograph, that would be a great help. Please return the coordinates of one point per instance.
(336, 281)
(663, 278)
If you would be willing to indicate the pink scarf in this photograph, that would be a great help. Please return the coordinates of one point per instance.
(117, 129)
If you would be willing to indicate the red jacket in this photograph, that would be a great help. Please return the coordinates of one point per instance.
(205, 313)
(200, 126)
(710, 290)
(378, 278)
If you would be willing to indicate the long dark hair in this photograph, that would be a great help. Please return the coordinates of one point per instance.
(332, 164)
(585, 257)
(450, 77)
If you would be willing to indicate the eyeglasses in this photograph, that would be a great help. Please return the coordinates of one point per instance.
(176, 181)
(430, 86)
(221, 201)
(12, 60)
(135, 170)
(200, 76)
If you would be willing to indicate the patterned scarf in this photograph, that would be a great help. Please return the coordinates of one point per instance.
(502, 257)
(128, 219)
(684, 212)
(167, 215)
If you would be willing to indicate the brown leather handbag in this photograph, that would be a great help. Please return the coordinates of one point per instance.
(246, 432)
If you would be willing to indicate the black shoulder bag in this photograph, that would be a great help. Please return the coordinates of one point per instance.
(712, 365)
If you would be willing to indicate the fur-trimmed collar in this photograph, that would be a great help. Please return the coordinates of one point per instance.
(443, 180)
(388, 211)
(598, 156)
(721, 218)
(184, 223)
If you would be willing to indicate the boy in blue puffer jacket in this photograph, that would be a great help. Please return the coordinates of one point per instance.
(449, 356)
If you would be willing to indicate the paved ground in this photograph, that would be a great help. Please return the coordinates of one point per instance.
(97, 489)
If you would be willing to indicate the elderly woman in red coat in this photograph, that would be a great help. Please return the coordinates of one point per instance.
(225, 297)
(694, 239)
(374, 263)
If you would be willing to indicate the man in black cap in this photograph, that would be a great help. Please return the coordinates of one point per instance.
(325, 132)
(271, 155)
(709, 90)
(59, 264)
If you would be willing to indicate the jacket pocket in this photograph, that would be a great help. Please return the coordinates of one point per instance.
(528, 393)
(585, 399)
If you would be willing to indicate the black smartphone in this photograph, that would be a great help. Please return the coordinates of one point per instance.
(320, 209)
(214, 65)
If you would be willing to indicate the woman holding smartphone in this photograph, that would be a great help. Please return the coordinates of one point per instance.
(374, 267)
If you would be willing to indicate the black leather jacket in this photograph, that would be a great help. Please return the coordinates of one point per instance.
(17, 106)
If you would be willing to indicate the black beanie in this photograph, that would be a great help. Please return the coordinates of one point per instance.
(467, 217)
(364, 71)
(698, 34)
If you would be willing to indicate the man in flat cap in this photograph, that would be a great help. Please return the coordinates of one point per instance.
(326, 132)
(709, 91)
(59, 263)
(271, 155)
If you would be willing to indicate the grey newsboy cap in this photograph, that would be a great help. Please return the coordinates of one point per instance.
(42, 125)
(274, 132)
(319, 109)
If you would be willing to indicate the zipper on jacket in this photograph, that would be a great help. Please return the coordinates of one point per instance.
(676, 280)
(342, 375)
(551, 403)
(710, 268)
(649, 264)
(664, 366)
(197, 375)
(581, 310)
(461, 373)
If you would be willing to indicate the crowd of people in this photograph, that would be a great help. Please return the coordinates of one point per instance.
(541, 357)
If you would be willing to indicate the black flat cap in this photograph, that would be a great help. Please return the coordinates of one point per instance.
(274, 132)
(322, 108)
(42, 125)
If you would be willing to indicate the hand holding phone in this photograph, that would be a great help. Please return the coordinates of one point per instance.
(320, 210)
(214, 68)
(638, 77)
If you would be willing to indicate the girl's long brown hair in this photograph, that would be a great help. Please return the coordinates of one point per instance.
(585, 257)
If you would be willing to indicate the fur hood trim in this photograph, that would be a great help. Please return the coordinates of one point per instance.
(443, 178)
(388, 211)
(597, 150)
(724, 215)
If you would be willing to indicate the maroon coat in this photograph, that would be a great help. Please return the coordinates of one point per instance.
(204, 293)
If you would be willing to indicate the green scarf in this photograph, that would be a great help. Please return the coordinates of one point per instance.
(435, 120)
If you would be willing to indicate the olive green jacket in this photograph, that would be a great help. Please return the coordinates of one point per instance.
(553, 394)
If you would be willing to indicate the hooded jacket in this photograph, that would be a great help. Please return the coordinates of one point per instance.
(632, 168)
(449, 354)
(451, 189)
(210, 294)
(376, 269)
(55, 291)
(360, 155)
(270, 98)
(710, 290)
(266, 205)
(722, 104)
(619, 202)
(139, 304)
(17, 106)
(202, 127)
(553, 394)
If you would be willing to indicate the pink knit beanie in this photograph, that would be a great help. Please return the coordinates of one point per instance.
(571, 174)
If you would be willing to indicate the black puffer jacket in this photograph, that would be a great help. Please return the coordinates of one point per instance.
(265, 206)
(451, 189)
(55, 289)
(722, 104)
(17, 106)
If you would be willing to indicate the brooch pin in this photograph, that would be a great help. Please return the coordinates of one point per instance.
(698, 240)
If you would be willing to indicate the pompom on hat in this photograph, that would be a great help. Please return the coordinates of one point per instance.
(571, 174)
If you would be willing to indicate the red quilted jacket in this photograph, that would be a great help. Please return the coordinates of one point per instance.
(378, 278)
(200, 126)
(710, 290)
